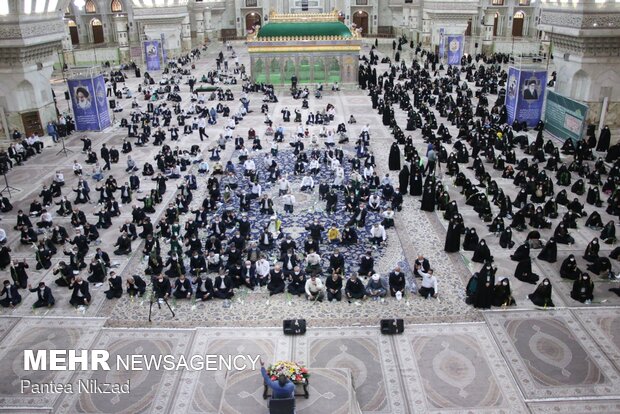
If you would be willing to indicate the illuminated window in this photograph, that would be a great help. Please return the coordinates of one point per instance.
(498, 2)
(90, 7)
(51, 6)
(4, 8)
(524, 2)
(39, 6)
(117, 6)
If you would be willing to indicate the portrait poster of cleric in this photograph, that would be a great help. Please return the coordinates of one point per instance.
(84, 104)
(531, 96)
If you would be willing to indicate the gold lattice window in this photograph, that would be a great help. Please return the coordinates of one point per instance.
(90, 7)
(117, 6)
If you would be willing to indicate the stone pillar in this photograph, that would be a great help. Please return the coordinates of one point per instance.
(26, 67)
(487, 35)
(122, 36)
(585, 44)
(426, 30)
(186, 35)
(200, 26)
(208, 27)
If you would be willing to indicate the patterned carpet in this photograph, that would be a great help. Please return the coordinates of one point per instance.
(551, 355)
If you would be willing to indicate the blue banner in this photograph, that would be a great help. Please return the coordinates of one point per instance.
(102, 102)
(527, 89)
(512, 93)
(442, 43)
(151, 55)
(84, 104)
(455, 49)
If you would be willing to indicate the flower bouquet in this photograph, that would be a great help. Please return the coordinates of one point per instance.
(297, 373)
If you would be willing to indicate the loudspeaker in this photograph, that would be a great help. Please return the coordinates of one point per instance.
(112, 104)
(476, 45)
(67, 95)
(392, 326)
(294, 326)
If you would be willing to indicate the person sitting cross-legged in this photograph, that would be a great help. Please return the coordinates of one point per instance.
(376, 288)
(354, 288)
(315, 289)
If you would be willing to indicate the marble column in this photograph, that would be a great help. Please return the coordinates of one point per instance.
(585, 43)
(122, 36)
(26, 66)
(200, 26)
(426, 30)
(186, 35)
(208, 27)
(487, 35)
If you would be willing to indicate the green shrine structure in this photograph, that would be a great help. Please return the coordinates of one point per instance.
(315, 47)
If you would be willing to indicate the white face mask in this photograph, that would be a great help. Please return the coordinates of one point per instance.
(545, 283)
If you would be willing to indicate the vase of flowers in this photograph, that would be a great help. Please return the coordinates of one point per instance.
(294, 371)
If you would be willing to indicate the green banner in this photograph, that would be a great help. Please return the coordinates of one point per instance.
(564, 117)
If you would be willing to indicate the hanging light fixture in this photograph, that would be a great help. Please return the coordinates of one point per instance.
(79, 4)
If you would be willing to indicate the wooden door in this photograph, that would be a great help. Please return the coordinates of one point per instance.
(517, 26)
(360, 18)
(251, 20)
(495, 24)
(75, 37)
(32, 123)
(97, 33)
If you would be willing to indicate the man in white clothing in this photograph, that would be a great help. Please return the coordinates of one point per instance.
(315, 289)
(429, 283)
(307, 183)
(262, 271)
(377, 234)
(289, 202)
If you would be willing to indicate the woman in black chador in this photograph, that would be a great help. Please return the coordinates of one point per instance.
(604, 139)
(505, 239)
(523, 272)
(522, 253)
(592, 249)
(542, 294)
(569, 269)
(483, 298)
(428, 199)
(394, 158)
(583, 289)
(403, 179)
(415, 181)
(502, 294)
(470, 243)
(549, 252)
(453, 234)
(387, 115)
(482, 253)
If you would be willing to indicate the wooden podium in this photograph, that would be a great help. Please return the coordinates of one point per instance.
(301, 390)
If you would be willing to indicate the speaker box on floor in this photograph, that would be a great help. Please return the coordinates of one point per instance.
(294, 326)
(112, 104)
(392, 326)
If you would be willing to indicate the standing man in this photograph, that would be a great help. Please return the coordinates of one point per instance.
(282, 388)
(202, 124)
(105, 155)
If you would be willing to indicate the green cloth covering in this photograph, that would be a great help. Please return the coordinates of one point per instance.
(301, 29)
(205, 89)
